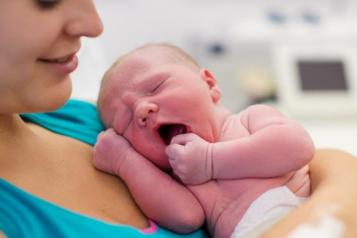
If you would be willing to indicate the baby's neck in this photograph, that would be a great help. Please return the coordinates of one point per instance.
(222, 116)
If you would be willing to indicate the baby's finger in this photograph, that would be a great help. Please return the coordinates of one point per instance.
(107, 132)
(182, 139)
(110, 131)
(174, 151)
(100, 135)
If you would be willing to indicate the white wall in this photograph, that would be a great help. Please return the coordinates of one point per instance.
(129, 24)
(193, 25)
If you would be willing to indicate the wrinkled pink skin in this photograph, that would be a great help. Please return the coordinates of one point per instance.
(219, 167)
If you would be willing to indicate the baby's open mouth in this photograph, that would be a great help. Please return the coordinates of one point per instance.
(168, 131)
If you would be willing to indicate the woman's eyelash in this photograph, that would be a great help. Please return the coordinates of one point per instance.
(47, 4)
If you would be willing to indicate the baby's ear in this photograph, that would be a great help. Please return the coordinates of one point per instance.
(209, 78)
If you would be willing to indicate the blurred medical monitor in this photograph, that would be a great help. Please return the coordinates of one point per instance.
(317, 80)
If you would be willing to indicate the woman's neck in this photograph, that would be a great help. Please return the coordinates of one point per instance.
(17, 141)
(11, 127)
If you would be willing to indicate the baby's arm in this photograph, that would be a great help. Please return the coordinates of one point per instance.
(276, 145)
(160, 197)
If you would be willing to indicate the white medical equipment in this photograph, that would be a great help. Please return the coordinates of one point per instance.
(317, 79)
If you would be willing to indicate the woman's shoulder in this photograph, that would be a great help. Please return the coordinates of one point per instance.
(77, 119)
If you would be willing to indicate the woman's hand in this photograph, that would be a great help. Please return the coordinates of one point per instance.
(334, 186)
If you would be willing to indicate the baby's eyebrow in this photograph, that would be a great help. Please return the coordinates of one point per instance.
(149, 80)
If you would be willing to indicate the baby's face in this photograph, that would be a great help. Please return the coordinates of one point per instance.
(155, 101)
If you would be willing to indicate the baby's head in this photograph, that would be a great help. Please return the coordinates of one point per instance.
(134, 62)
(155, 92)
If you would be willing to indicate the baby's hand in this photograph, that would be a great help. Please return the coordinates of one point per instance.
(190, 158)
(110, 152)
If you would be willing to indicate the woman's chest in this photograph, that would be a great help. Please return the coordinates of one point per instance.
(61, 172)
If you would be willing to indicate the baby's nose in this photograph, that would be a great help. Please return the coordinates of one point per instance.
(143, 111)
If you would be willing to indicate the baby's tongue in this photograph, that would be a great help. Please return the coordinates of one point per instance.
(167, 132)
(175, 130)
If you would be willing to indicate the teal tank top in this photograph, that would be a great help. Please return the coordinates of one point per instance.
(23, 215)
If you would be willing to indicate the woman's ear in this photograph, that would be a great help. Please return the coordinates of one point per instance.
(210, 80)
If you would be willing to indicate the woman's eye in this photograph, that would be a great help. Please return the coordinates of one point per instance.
(47, 4)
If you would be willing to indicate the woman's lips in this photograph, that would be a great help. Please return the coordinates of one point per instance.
(62, 65)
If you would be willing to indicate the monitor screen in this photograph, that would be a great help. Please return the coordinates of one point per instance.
(322, 75)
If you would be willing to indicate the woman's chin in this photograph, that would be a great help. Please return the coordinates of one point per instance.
(53, 97)
(56, 104)
(52, 102)
(60, 102)
(59, 98)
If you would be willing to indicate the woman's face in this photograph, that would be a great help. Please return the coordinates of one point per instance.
(39, 40)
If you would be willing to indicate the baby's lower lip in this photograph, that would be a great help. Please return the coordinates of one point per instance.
(65, 65)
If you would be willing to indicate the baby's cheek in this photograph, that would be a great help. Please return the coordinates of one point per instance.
(121, 123)
(121, 120)
(118, 128)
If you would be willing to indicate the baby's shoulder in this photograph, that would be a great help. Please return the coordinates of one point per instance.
(261, 108)
(260, 112)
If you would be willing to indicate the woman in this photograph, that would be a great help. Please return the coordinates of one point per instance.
(48, 186)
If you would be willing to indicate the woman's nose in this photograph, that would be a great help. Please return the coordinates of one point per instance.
(84, 21)
(143, 111)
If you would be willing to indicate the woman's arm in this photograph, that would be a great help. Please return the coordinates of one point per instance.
(334, 185)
